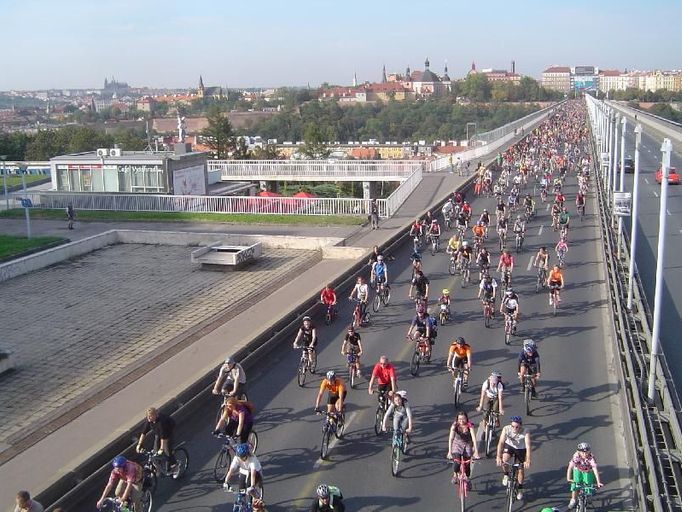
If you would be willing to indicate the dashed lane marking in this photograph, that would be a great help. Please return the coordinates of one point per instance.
(540, 230)
(646, 181)
(530, 263)
(655, 193)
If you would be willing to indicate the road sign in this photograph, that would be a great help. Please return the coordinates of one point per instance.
(26, 203)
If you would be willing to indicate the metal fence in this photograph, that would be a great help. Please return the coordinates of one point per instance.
(209, 204)
(400, 194)
(498, 133)
(314, 170)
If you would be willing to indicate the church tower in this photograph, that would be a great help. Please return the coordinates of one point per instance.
(202, 89)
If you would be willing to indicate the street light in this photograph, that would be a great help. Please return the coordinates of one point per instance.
(621, 187)
(633, 220)
(666, 150)
(474, 125)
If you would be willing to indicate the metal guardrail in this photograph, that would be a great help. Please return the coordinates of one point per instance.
(655, 427)
(498, 133)
(400, 194)
(649, 114)
(315, 170)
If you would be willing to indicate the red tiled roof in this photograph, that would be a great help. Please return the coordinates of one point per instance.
(610, 72)
(557, 69)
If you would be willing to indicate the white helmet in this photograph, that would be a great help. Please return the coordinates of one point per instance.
(402, 394)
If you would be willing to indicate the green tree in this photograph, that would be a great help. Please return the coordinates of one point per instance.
(130, 140)
(476, 87)
(219, 135)
(267, 152)
(314, 147)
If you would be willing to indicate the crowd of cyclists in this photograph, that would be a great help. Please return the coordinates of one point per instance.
(481, 246)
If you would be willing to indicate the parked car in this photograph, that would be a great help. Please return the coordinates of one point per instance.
(629, 165)
(673, 177)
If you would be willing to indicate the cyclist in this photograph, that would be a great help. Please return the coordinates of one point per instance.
(373, 257)
(462, 444)
(582, 469)
(379, 272)
(70, 215)
(307, 337)
(519, 227)
(453, 244)
(417, 228)
(434, 230)
(479, 231)
(542, 259)
(459, 356)
(231, 380)
(487, 290)
(128, 477)
(420, 284)
(580, 200)
(461, 223)
(514, 444)
(491, 391)
(420, 324)
(384, 373)
(529, 205)
(485, 219)
(556, 210)
(502, 225)
(564, 219)
(560, 199)
(250, 471)
(352, 347)
(445, 300)
(500, 209)
(236, 419)
(561, 249)
(506, 264)
(447, 209)
(510, 307)
(361, 291)
(555, 282)
(163, 427)
(464, 254)
(329, 499)
(401, 412)
(328, 297)
(336, 388)
(416, 263)
(24, 503)
(529, 361)
(466, 210)
(483, 261)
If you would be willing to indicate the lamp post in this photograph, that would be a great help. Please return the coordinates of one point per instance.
(621, 186)
(633, 219)
(666, 150)
(4, 180)
(612, 122)
(470, 124)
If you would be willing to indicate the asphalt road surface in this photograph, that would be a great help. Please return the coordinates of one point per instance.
(647, 240)
(578, 398)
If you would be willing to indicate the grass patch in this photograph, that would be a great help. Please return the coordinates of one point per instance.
(13, 181)
(12, 246)
(231, 218)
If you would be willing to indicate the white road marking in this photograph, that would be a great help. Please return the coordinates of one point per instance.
(646, 181)
(547, 208)
(655, 193)
(335, 440)
(667, 211)
(540, 230)
(530, 264)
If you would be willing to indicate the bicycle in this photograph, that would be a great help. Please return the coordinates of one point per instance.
(506, 279)
(444, 314)
(528, 387)
(353, 369)
(399, 445)
(435, 244)
(542, 279)
(509, 328)
(416, 243)
(361, 316)
(452, 266)
(554, 297)
(581, 211)
(383, 296)
(334, 423)
(584, 498)
(462, 480)
(307, 363)
(243, 500)
(466, 271)
(512, 485)
(382, 407)
(157, 466)
(488, 311)
(502, 234)
(227, 451)
(422, 353)
(561, 257)
(491, 423)
(458, 380)
(330, 314)
(115, 505)
(520, 237)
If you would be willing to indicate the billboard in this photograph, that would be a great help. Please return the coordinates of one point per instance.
(584, 70)
(582, 83)
(190, 181)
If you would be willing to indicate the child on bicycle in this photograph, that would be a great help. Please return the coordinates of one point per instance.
(582, 469)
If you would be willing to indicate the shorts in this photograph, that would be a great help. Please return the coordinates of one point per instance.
(517, 453)
(582, 477)
(334, 398)
(510, 311)
(231, 430)
(555, 285)
(459, 362)
(492, 404)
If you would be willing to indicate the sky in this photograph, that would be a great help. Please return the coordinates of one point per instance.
(65, 44)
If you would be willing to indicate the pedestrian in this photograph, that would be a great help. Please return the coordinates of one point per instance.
(70, 215)
(26, 504)
(452, 167)
(374, 214)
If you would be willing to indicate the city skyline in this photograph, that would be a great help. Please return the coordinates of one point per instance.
(74, 44)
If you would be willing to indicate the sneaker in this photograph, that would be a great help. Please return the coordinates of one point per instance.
(571, 504)
(534, 393)
(519, 495)
(175, 471)
(505, 480)
(550, 302)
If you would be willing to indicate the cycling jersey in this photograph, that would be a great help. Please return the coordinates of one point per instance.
(236, 374)
(379, 269)
(479, 231)
(335, 388)
(564, 218)
(502, 224)
(383, 374)
(420, 283)
(435, 230)
(466, 252)
(131, 473)
(515, 438)
(353, 341)
(488, 288)
(582, 463)
(328, 296)
(362, 291)
(163, 426)
(492, 391)
(532, 359)
(519, 227)
(246, 466)
(556, 276)
(462, 441)
(444, 299)
(420, 323)
(484, 258)
(511, 304)
(453, 244)
(459, 350)
(506, 260)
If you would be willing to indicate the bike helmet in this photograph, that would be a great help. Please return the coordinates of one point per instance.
(446, 291)
(528, 343)
(518, 217)
(322, 491)
(307, 318)
(242, 450)
(416, 256)
(496, 373)
(509, 292)
(479, 223)
(584, 447)
(465, 244)
(550, 509)
(119, 461)
(485, 210)
(516, 419)
(351, 328)
(380, 258)
(331, 375)
(402, 394)
(229, 360)
(460, 341)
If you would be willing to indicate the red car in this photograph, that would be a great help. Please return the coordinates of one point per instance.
(673, 177)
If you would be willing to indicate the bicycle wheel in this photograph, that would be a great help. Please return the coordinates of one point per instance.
(458, 392)
(340, 427)
(351, 375)
(221, 464)
(219, 414)
(324, 448)
(414, 364)
(582, 503)
(367, 318)
(489, 445)
(182, 461)
(313, 362)
(465, 277)
(302, 369)
(462, 494)
(443, 318)
(376, 302)
(526, 398)
(145, 501)
(252, 440)
(452, 267)
(507, 334)
(378, 419)
(386, 296)
(395, 459)
(433, 248)
(488, 318)
(150, 482)
(510, 494)
(328, 319)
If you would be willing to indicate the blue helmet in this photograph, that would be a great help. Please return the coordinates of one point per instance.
(242, 450)
(119, 461)
(516, 419)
